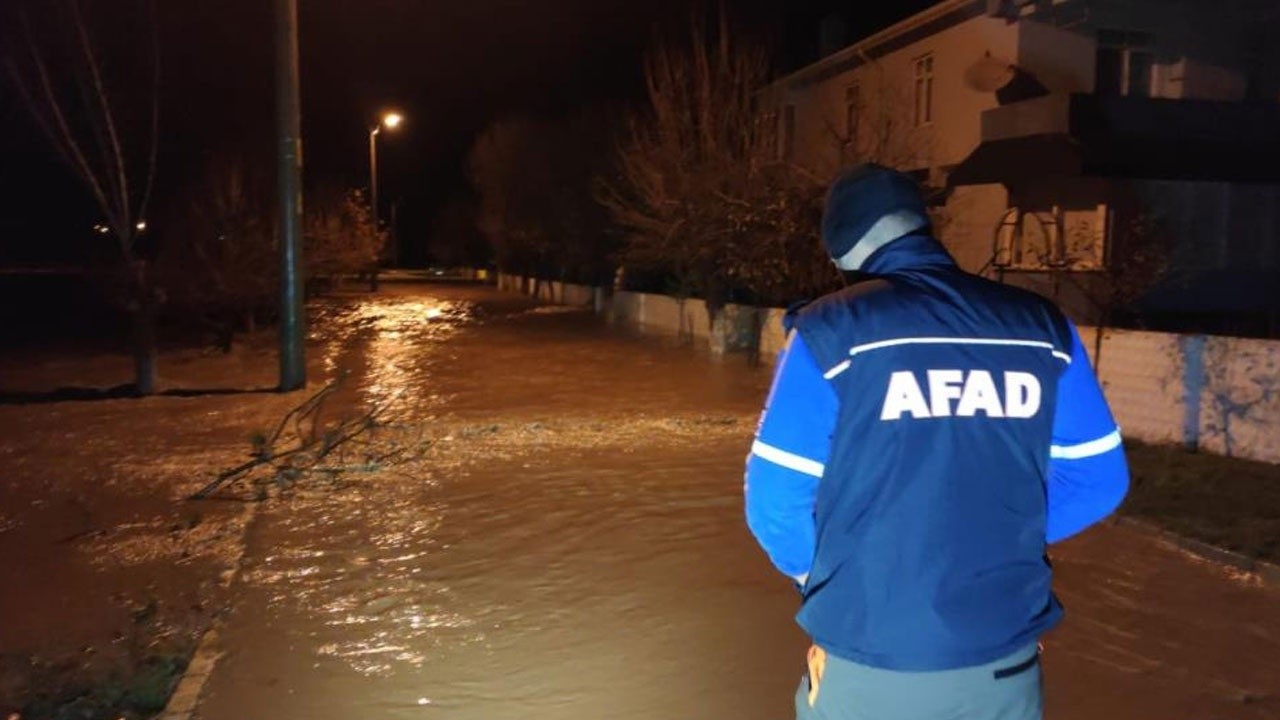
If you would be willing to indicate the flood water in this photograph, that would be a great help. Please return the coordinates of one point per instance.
(575, 548)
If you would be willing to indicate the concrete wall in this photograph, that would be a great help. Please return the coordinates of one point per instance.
(1240, 396)
(736, 330)
(1219, 394)
(550, 291)
(1141, 374)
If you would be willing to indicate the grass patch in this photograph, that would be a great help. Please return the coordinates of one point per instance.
(64, 692)
(1228, 502)
(131, 680)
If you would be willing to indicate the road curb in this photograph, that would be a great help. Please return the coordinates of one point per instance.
(186, 694)
(1267, 573)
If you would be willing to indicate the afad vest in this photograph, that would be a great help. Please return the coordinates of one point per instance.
(931, 512)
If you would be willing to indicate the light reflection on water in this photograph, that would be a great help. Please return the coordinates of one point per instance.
(385, 342)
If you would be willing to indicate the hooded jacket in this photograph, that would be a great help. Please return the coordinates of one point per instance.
(928, 433)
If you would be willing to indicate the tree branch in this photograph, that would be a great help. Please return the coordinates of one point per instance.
(155, 111)
(125, 232)
(57, 128)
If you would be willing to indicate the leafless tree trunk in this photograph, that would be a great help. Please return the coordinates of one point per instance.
(1139, 257)
(73, 105)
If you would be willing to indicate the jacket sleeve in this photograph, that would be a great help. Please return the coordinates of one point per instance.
(787, 460)
(1088, 473)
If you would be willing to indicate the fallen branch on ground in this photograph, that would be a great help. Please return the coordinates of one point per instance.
(302, 444)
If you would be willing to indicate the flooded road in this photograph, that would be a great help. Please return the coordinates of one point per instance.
(574, 548)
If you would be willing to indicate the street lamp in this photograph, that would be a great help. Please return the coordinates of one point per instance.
(390, 121)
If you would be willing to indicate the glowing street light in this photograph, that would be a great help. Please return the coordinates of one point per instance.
(390, 121)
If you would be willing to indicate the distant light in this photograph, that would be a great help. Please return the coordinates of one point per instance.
(392, 120)
(142, 225)
(101, 229)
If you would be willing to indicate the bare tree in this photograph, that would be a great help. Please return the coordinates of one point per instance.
(109, 139)
(509, 173)
(704, 188)
(1137, 260)
(780, 257)
(533, 176)
(702, 128)
(455, 239)
(340, 236)
(875, 123)
(221, 262)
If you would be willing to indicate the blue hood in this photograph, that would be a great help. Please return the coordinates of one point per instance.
(876, 222)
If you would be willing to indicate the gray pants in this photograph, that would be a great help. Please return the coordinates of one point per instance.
(1007, 689)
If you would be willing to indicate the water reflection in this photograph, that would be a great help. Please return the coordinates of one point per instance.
(386, 344)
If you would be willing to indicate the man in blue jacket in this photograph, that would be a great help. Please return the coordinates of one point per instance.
(928, 434)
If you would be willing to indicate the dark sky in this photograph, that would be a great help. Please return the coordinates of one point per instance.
(450, 65)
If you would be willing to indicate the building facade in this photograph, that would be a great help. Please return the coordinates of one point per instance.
(1064, 143)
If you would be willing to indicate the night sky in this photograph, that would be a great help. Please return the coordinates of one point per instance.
(451, 67)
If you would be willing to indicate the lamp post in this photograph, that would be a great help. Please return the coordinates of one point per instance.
(390, 121)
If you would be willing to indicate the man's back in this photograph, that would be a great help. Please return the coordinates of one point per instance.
(927, 434)
(931, 512)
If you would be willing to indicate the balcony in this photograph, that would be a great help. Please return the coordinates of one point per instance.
(1125, 137)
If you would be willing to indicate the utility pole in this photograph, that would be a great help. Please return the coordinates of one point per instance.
(373, 173)
(395, 233)
(391, 121)
(293, 368)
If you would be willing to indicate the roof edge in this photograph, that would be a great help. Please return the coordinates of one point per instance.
(867, 46)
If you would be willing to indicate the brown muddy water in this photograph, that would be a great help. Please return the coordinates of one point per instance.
(573, 547)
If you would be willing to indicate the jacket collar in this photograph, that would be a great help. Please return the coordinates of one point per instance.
(908, 253)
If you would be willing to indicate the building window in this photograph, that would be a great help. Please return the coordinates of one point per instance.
(1124, 64)
(924, 90)
(769, 127)
(852, 107)
(787, 147)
